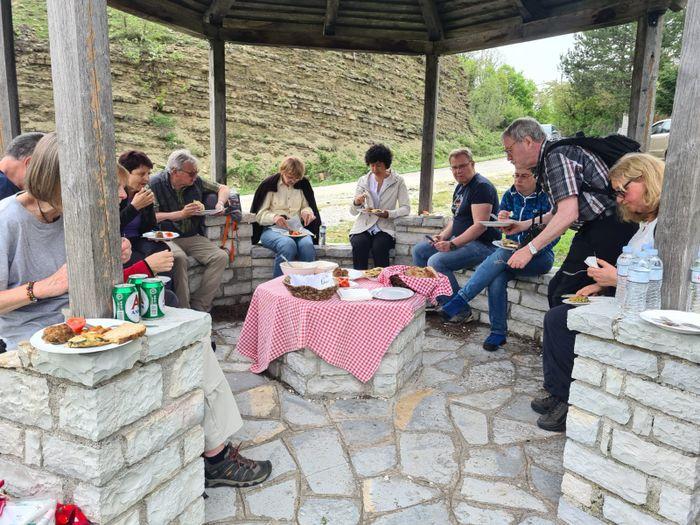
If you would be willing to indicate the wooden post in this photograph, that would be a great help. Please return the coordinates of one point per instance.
(82, 92)
(678, 230)
(430, 109)
(9, 101)
(647, 53)
(217, 109)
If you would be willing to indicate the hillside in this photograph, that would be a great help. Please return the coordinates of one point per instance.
(325, 106)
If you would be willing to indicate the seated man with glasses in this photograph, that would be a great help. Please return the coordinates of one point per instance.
(179, 193)
(464, 242)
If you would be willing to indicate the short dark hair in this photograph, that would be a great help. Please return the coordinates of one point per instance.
(22, 146)
(132, 159)
(378, 153)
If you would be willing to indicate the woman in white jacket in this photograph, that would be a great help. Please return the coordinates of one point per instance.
(380, 197)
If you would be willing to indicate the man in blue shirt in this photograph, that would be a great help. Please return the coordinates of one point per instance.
(14, 164)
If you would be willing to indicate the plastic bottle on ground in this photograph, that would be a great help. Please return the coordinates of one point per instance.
(694, 291)
(623, 267)
(656, 274)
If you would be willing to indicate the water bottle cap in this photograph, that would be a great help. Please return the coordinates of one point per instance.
(647, 246)
(653, 251)
(628, 249)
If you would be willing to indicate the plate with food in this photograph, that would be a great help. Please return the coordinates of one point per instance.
(373, 211)
(581, 300)
(160, 235)
(673, 320)
(421, 273)
(497, 224)
(296, 233)
(372, 273)
(345, 282)
(86, 336)
(392, 294)
(506, 244)
(350, 273)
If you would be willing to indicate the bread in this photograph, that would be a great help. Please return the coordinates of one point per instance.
(199, 204)
(421, 273)
(124, 332)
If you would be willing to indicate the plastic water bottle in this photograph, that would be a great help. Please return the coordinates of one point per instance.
(656, 275)
(637, 285)
(694, 292)
(322, 235)
(623, 267)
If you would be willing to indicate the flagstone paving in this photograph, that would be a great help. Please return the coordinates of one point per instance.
(458, 445)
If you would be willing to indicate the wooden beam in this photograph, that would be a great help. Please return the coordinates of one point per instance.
(430, 110)
(82, 91)
(645, 71)
(217, 109)
(172, 15)
(331, 17)
(431, 16)
(9, 100)
(677, 232)
(531, 9)
(218, 9)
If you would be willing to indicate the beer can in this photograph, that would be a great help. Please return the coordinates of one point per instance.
(152, 296)
(125, 302)
(137, 279)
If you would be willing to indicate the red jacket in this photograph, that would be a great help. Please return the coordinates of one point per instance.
(139, 267)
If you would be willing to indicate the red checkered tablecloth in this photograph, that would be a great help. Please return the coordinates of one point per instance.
(353, 336)
(430, 288)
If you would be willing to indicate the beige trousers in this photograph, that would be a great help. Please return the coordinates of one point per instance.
(207, 254)
(221, 416)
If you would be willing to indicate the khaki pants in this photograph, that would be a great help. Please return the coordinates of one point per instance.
(221, 416)
(209, 255)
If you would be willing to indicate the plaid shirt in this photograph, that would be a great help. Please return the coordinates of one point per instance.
(573, 171)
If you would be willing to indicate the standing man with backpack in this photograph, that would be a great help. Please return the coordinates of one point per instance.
(574, 174)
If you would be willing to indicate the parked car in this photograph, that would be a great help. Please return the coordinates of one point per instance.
(551, 131)
(658, 144)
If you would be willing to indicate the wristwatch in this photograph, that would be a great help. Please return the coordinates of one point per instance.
(453, 246)
(532, 248)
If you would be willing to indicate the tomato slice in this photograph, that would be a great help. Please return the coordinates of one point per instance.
(76, 324)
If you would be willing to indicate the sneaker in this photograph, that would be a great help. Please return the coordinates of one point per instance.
(494, 342)
(543, 405)
(463, 317)
(555, 419)
(235, 470)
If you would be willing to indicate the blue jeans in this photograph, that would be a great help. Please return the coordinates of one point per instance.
(293, 248)
(467, 256)
(494, 273)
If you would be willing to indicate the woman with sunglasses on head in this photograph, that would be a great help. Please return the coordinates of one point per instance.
(523, 201)
(636, 179)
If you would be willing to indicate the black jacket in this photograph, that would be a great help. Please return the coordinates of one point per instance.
(270, 184)
(128, 213)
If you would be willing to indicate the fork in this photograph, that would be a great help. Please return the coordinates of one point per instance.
(669, 322)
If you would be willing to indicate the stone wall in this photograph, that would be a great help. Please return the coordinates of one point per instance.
(119, 432)
(527, 297)
(633, 429)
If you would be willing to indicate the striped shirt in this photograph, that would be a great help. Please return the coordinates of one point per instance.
(573, 171)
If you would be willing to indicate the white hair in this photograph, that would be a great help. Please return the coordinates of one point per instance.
(525, 127)
(178, 158)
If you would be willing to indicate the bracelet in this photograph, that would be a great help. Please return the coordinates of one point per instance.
(30, 292)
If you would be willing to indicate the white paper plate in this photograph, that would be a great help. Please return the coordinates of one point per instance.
(152, 236)
(354, 274)
(163, 278)
(499, 244)
(289, 234)
(675, 316)
(38, 343)
(392, 294)
(497, 224)
(207, 212)
(591, 300)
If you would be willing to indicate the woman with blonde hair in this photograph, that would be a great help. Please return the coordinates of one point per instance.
(636, 180)
(282, 204)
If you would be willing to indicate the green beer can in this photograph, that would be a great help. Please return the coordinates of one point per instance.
(137, 279)
(125, 302)
(152, 299)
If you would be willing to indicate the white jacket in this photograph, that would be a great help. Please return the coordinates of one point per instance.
(393, 197)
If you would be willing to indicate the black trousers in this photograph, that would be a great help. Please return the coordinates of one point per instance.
(378, 245)
(558, 352)
(604, 238)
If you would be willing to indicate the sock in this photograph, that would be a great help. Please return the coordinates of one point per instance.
(495, 339)
(218, 458)
(454, 306)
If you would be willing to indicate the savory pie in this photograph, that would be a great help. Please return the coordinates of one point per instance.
(508, 243)
(579, 299)
(373, 272)
(421, 273)
(87, 340)
(340, 272)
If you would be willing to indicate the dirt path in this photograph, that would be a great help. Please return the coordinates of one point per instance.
(333, 201)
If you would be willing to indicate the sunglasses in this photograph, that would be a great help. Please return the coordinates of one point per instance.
(621, 192)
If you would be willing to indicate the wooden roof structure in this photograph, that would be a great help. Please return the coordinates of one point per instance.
(418, 27)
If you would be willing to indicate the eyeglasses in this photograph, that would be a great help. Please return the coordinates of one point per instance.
(621, 192)
(522, 175)
(460, 167)
(509, 149)
(190, 173)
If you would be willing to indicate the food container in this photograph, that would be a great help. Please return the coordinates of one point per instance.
(307, 268)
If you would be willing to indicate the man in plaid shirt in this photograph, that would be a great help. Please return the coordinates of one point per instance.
(576, 181)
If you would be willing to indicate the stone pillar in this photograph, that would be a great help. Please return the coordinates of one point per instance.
(633, 430)
(117, 432)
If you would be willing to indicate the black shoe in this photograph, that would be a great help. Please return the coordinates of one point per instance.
(235, 470)
(555, 420)
(543, 405)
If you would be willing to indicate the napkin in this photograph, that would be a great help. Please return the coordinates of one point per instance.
(354, 294)
(319, 281)
(592, 261)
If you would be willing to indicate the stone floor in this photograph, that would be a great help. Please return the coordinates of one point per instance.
(458, 446)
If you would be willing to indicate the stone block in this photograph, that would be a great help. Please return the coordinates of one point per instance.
(642, 421)
(683, 405)
(187, 370)
(577, 489)
(153, 432)
(569, 513)
(93, 464)
(513, 295)
(96, 413)
(193, 444)
(522, 329)
(534, 300)
(620, 512)
(194, 514)
(582, 426)
(262, 272)
(296, 381)
(32, 447)
(325, 369)
(677, 434)
(11, 439)
(179, 328)
(384, 385)
(130, 518)
(342, 385)
(656, 461)
(680, 507)
(529, 287)
(587, 370)
(527, 315)
(623, 481)
(636, 332)
(130, 486)
(170, 500)
(25, 398)
(683, 375)
(23, 481)
(613, 381)
(619, 356)
(240, 288)
(596, 320)
(306, 365)
(599, 403)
